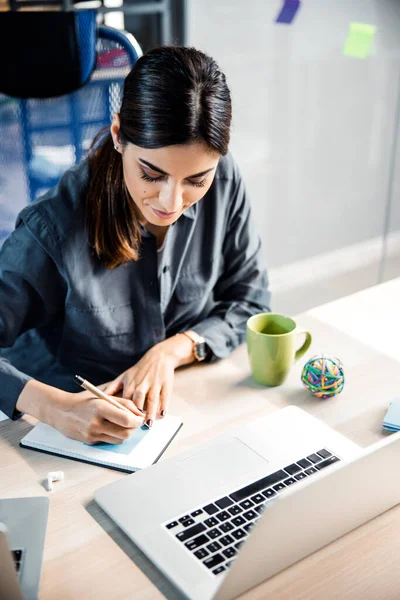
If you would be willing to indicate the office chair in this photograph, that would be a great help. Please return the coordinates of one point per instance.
(42, 138)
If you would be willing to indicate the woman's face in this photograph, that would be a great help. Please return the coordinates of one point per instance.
(164, 182)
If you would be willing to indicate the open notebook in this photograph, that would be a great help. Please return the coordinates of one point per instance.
(144, 447)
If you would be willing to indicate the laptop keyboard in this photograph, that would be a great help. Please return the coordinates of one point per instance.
(214, 532)
(17, 557)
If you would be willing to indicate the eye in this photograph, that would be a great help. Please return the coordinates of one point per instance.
(147, 177)
(201, 183)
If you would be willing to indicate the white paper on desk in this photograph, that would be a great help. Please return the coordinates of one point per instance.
(3, 417)
(143, 448)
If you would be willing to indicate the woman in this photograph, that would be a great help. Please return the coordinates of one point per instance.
(142, 259)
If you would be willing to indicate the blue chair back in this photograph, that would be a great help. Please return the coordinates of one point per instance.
(42, 138)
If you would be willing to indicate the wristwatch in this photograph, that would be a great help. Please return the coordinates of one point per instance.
(199, 345)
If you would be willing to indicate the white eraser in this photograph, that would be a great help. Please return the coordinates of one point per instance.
(57, 475)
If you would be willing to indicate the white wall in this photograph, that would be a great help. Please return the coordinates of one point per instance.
(312, 129)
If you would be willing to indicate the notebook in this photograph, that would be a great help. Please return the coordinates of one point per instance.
(391, 421)
(142, 449)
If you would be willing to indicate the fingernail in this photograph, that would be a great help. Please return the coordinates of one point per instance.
(149, 423)
(162, 413)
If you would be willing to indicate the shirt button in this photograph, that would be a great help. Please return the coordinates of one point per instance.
(165, 269)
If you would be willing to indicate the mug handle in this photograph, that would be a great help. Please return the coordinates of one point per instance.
(301, 351)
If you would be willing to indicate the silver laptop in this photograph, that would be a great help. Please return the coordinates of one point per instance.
(23, 524)
(223, 517)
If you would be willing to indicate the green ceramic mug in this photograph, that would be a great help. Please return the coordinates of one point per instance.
(271, 346)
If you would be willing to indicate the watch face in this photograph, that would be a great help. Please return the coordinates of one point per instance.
(201, 351)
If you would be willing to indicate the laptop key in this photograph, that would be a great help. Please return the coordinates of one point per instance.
(183, 519)
(257, 486)
(324, 453)
(17, 554)
(213, 561)
(304, 463)
(239, 534)
(235, 510)
(172, 524)
(314, 458)
(196, 513)
(311, 470)
(226, 527)
(226, 540)
(201, 553)
(214, 533)
(224, 502)
(292, 469)
(219, 570)
(246, 504)
(17, 566)
(269, 493)
(257, 498)
(260, 508)
(188, 522)
(279, 487)
(211, 522)
(191, 532)
(196, 542)
(250, 515)
(289, 481)
(214, 547)
(237, 521)
(228, 564)
(211, 509)
(223, 516)
(239, 544)
(229, 552)
(327, 462)
(249, 526)
(301, 475)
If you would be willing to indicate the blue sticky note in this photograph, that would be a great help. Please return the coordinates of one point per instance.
(288, 11)
(391, 420)
(127, 446)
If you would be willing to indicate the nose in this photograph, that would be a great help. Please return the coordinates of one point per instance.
(170, 197)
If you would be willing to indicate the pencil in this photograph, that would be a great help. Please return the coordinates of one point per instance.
(97, 392)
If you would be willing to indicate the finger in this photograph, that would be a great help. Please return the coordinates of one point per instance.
(130, 405)
(124, 418)
(103, 437)
(165, 395)
(153, 401)
(113, 387)
(139, 397)
(111, 429)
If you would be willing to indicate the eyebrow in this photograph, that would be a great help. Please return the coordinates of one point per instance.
(148, 164)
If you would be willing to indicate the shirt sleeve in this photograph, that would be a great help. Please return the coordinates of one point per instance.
(31, 294)
(242, 290)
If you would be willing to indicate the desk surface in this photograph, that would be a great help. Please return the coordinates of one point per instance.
(86, 556)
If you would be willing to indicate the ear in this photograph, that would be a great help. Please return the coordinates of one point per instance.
(114, 129)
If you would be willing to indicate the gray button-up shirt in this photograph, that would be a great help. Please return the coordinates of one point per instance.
(62, 312)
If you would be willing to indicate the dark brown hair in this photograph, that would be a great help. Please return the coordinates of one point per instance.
(173, 95)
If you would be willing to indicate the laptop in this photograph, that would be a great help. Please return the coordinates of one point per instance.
(23, 524)
(196, 514)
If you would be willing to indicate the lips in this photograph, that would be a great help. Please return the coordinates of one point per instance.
(163, 215)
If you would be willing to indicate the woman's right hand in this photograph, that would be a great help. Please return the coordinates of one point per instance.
(80, 416)
(90, 419)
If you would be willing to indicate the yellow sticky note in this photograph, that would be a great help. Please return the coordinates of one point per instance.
(359, 40)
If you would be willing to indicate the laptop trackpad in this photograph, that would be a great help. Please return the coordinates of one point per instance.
(230, 460)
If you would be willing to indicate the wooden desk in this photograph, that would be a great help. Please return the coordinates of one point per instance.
(87, 557)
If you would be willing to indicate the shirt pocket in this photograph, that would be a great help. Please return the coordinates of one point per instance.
(192, 288)
(101, 321)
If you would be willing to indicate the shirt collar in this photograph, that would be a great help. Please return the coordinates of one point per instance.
(191, 212)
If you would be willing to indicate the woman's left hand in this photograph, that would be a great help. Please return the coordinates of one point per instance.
(150, 382)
